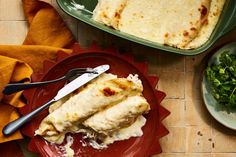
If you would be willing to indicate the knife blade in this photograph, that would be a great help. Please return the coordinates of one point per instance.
(67, 89)
(80, 81)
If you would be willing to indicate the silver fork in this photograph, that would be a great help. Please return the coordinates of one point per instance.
(16, 87)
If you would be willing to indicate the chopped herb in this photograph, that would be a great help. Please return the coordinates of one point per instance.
(222, 78)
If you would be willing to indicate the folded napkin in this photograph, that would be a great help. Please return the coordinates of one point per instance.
(47, 35)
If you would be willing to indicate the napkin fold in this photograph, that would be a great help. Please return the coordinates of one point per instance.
(46, 36)
(46, 25)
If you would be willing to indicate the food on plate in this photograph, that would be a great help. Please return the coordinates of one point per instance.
(183, 24)
(222, 78)
(105, 110)
(121, 115)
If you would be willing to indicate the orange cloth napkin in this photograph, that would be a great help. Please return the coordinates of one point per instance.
(47, 35)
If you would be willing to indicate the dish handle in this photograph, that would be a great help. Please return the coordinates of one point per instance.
(229, 19)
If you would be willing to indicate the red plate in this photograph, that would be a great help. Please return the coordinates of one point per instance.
(143, 146)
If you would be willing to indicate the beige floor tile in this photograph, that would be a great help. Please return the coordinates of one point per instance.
(170, 155)
(195, 63)
(152, 63)
(48, 1)
(198, 139)
(11, 10)
(224, 139)
(183, 155)
(177, 116)
(193, 85)
(223, 154)
(13, 32)
(124, 46)
(172, 84)
(168, 62)
(175, 141)
(196, 113)
(198, 155)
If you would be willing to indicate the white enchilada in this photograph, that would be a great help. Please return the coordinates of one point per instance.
(185, 24)
(106, 110)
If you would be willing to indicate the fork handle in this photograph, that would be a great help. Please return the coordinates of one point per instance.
(16, 87)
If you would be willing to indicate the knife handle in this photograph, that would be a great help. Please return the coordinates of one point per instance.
(16, 124)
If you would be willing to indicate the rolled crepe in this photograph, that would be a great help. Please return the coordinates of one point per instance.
(185, 24)
(101, 78)
(134, 130)
(174, 23)
(118, 116)
(108, 12)
(99, 141)
(90, 100)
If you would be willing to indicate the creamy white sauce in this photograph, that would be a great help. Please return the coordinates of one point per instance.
(84, 143)
(134, 78)
(66, 149)
(69, 152)
(134, 130)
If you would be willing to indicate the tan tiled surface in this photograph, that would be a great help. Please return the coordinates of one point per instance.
(12, 32)
(199, 139)
(170, 144)
(196, 114)
(11, 10)
(193, 132)
(177, 108)
(172, 84)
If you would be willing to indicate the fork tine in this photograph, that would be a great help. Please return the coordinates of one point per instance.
(80, 69)
(84, 70)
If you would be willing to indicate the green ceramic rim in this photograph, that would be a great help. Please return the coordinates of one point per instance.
(225, 24)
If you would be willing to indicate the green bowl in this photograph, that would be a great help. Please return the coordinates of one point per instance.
(215, 109)
(226, 23)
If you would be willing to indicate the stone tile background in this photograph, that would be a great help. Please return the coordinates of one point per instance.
(193, 132)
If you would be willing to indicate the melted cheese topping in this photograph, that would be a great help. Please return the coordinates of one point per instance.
(108, 109)
(66, 150)
(134, 130)
(118, 116)
(184, 24)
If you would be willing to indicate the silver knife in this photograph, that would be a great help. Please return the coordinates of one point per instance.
(67, 89)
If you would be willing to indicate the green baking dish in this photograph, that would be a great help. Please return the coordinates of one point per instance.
(225, 24)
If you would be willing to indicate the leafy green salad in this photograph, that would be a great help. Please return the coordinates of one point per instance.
(222, 78)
